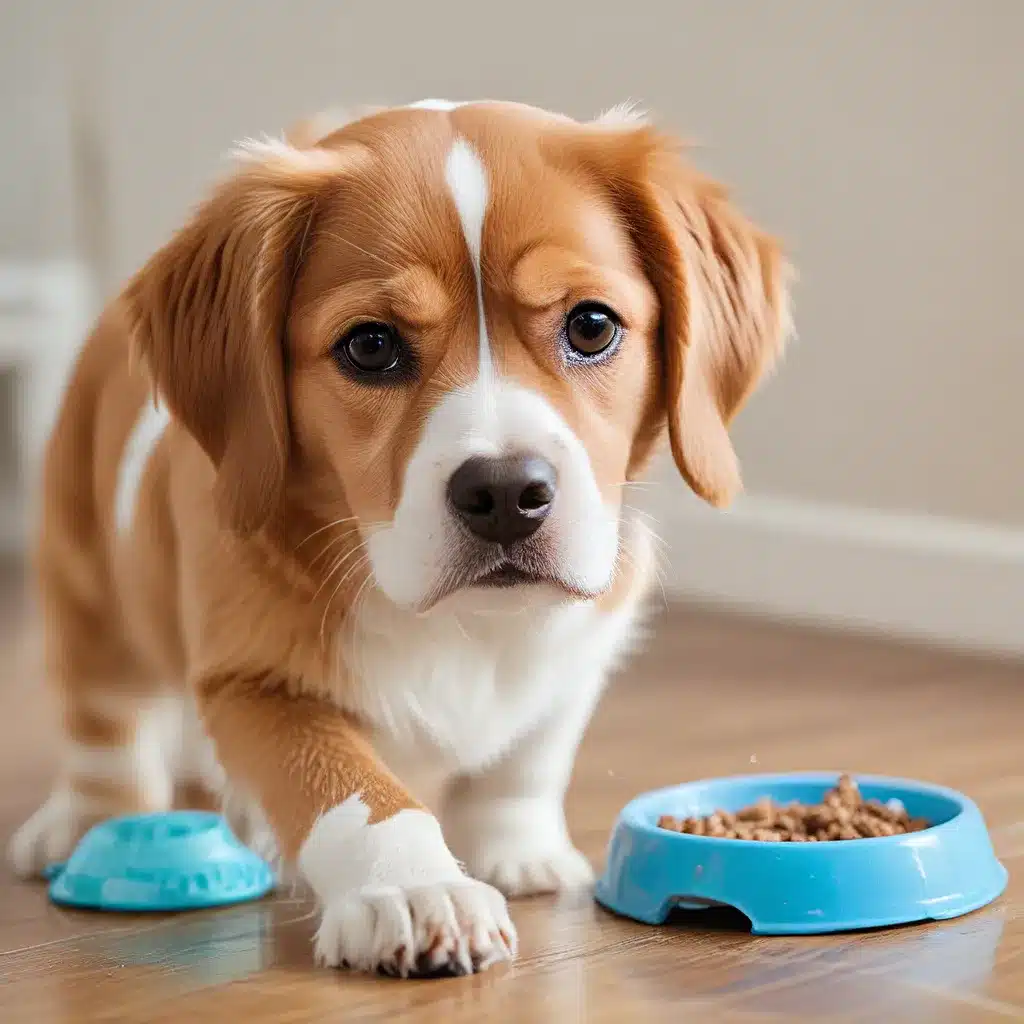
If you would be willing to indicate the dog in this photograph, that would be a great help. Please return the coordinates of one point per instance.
(336, 498)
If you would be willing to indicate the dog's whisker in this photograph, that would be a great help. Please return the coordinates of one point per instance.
(326, 526)
(355, 567)
(339, 562)
(332, 543)
(355, 611)
(643, 513)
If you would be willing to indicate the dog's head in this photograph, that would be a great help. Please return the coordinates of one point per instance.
(466, 327)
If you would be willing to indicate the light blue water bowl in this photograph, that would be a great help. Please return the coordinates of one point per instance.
(180, 860)
(944, 871)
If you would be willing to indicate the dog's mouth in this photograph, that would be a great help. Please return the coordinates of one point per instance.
(508, 575)
(522, 567)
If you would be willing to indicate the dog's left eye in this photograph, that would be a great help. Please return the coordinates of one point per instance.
(371, 348)
(592, 330)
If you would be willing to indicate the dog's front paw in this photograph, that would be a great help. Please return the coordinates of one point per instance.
(454, 927)
(49, 836)
(529, 873)
(519, 845)
(395, 899)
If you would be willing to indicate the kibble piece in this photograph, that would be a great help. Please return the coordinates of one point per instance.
(898, 816)
(816, 818)
(847, 791)
(761, 811)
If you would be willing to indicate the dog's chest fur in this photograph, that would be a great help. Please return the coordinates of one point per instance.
(452, 691)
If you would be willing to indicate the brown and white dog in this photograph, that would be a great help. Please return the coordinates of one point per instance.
(340, 476)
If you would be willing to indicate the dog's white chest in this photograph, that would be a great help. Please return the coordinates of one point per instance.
(456, 690)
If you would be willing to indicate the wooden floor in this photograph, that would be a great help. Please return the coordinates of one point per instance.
(711, 696)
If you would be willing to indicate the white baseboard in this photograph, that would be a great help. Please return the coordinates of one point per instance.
(953, 583)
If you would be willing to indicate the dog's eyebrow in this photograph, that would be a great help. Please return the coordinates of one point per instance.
(539, 277)
(547, 275)
(418, 296)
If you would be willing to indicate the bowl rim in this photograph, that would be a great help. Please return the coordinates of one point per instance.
(205, 819)
(94, 847)
(634, 817)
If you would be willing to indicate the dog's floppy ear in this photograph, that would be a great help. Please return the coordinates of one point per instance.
(208, 315)
(723, 289)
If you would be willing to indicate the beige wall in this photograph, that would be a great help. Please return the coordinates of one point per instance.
(36, 213)
(882, 138)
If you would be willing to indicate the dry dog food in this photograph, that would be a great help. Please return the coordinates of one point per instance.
(843, 814)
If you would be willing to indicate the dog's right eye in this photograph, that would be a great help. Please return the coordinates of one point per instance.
(371, 348)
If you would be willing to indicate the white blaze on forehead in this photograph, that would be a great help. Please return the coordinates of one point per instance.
(467, 182)
(445, 106)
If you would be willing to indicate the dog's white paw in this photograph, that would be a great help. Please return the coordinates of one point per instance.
(529, 873)
(454, 927)
(395, 899)
(49, 836)
(520, 845)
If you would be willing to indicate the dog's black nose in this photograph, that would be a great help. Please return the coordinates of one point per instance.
(504, 499)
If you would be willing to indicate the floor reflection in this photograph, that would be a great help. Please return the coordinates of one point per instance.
(208, 949)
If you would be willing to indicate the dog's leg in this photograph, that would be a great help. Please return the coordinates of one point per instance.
(199, 778)
(114, 760)
(117, 723)
(393, 897)
(507, 823)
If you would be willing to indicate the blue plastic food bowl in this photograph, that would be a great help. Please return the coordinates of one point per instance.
(944, 871)
(180, 860)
